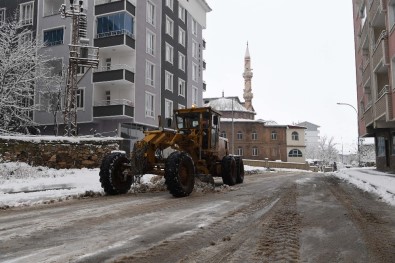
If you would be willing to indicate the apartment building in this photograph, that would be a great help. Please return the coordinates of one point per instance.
(374, 36)
(150, 61)
(312, 139)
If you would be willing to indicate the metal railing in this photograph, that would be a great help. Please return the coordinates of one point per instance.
(115, 33)
(383, 91)
(114, 67)
(114, 102)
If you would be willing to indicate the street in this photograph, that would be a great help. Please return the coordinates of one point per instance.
(279, 217)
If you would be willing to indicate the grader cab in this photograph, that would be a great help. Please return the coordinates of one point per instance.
(191, 148)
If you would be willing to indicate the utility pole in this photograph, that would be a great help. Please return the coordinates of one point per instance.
(81, 55)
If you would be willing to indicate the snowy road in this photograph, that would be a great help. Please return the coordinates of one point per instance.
(292, 216)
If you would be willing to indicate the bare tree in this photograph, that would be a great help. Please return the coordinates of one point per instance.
(21, 66)
(327, 151)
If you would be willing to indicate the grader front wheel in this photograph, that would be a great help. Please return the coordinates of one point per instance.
(179, 174)
(229, 170)
(115, 177)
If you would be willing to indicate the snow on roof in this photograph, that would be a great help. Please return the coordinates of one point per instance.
(241, 120)
(225, 104)
(37, 139)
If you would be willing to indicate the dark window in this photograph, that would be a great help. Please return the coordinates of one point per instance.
(295, 136)
(239, 135)
(274, 135)
(53, 37)
(115, 24)
(295, 153)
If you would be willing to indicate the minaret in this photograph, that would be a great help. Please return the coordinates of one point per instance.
(247, 75)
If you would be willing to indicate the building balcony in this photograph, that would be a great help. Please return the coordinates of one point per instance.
(377, 13)
(380, 53)
(365, 74)
(123, 74)
(382, 104)
(115, 38)
(204, 44)
(368, 115)
(111, 6)
(113, 109)
(204, 86)
(364, 36)
(204, 64)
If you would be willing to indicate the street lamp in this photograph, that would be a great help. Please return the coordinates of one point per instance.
(359, 154)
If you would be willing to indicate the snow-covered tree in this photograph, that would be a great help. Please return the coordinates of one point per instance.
(327, 151)
(21, 66)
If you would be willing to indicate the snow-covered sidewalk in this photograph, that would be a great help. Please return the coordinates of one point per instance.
(23, 185)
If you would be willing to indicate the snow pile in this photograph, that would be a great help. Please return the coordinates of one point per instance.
(370, 180)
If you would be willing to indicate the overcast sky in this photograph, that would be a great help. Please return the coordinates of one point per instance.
(302, 55)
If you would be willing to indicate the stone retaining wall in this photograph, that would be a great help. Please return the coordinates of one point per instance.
(57, 152)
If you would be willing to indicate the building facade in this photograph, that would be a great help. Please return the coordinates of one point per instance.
(150, 61)
(374, 38)
(312, 138)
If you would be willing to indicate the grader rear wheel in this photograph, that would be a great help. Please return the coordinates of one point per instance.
(240, 170)
(115, 177)
(179, 174)
(229, 170)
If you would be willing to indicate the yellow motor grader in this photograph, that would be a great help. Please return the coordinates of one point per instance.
(195, 147)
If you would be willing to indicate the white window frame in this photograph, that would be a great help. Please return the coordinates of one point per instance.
(169, 53)
(149, 105)
(181, 12)
(194, 96)
(169, 26)
(168, 81)
(149, 73)
(151, 13)
(254, 136)
(180, 106)
(239, 135)
(181, 36)
(150, 42)
(168, 108)
(181, 61)
(3, 13)
(25, 14)
(80, 99)
(255, 151)
(195, 69)
(170, 4)
(194, 27)
(194, 49)
(181, 87)
(240, 151)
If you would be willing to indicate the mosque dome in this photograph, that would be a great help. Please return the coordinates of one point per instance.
(225, 104)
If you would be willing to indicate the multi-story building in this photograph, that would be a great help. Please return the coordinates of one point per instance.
(312, 137)
(374, 37)
(150, 61)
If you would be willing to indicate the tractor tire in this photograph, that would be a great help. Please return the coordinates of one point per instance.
(240, 170)
(229, 170)
(179, 174)
(112, 174)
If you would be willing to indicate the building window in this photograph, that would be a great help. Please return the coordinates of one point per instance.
(254, 135)
(181, 36)
(115, 24)
(168, 81)
(181, 87)
(169, 26)
(254, 151)
(169, 4)
(150, 49)
(240, 151)
(149, 105)
(380, 146)
(223, 134)
(181, 61)
(274, 135)
(194, 96)
(151, 13)
(80, 98)
(181, 12)
(2, 15)
(149, 73)
(239, 135)
(53, 37)
(295, 136)
(169, 53)
(168, 109)
(295, 153)
(80, 70)
(51, 7)
(26, 13)
(194, 49)
(194, 72)
(194, 27)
